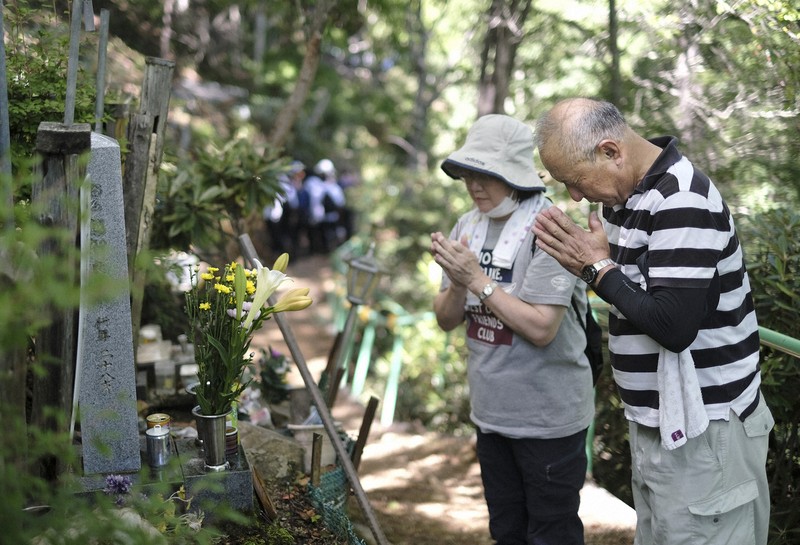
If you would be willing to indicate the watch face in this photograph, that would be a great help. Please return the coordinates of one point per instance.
(487, 290)
(588, 274)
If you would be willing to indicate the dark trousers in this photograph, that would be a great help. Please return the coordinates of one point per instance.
(532, 488)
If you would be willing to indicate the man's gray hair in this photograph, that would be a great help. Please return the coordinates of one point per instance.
(576, 136)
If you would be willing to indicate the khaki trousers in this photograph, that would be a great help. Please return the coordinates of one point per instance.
(713, 490)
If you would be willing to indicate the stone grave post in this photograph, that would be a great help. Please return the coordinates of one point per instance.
(107, 386)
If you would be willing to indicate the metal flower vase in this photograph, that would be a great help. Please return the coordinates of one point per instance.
(211, 430)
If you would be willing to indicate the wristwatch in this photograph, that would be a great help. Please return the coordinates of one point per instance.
(589, 273)
(487, 290)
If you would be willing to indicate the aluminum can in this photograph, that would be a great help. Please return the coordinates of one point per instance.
(157, 446)
(158, 419)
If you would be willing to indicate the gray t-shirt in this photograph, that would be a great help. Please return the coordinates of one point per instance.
(516, 388)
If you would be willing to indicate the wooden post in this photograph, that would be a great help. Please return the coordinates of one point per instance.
(139, 274)
(102, 55)
(134, 178)
(316, 458)
(6, 183)
(156, 90)
(73, 61)
(363, 432)
(263, 495)
(145, 147)
(57, 194)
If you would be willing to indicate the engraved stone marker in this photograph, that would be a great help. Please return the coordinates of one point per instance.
(107, 398)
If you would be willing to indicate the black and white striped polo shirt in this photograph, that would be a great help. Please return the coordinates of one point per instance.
(678, 221)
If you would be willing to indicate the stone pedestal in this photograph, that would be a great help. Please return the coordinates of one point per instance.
(233, 487)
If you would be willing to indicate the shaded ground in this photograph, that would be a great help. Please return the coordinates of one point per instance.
(425, 488)
(297, 522)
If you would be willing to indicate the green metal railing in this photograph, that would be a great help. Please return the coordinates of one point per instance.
(393, 318)
(779, 341)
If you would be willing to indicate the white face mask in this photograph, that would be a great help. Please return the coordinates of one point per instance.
(505, 208)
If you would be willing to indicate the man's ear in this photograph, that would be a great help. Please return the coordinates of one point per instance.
(609, 149)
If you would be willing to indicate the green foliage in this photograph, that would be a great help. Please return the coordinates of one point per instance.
(163, 303)
(773, 257)
(718, 77)
(40, 264)
(66, 511)
(36, 62)
(611, 453)
(433, 371)
(203, 200)
(37, 282)
(138, 515)
(275, 535)
(401, 216)
(435, 390)
(773, 260)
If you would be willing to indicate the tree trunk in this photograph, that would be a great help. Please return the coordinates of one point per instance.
(503, 35)
(288, 114)
(415, 142)
(166, 32)
(615, 90)
(308, 71)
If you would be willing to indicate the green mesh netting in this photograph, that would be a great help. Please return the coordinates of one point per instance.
(330, 496)
(328, 499)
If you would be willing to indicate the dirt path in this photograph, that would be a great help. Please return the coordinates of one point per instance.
(425, 488)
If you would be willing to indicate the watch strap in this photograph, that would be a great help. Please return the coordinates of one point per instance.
(602, 264)
(590, 272)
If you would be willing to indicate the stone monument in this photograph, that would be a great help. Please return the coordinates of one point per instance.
(107, 372)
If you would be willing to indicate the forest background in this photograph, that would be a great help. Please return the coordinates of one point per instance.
(387, 88)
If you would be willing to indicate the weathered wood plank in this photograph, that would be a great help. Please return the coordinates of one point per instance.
(56, 195)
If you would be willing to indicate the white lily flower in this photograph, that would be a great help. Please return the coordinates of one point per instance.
(267, 281)
(295, 299)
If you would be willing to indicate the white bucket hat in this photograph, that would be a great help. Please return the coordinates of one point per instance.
(500, 146)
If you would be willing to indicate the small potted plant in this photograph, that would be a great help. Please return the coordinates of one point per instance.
(225, 307)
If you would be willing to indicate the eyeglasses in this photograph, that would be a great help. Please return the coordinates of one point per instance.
(478, 177)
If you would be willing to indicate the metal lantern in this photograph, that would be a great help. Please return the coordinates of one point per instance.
(362, 277)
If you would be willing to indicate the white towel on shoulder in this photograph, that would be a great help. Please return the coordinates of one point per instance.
(681, 413)
(514, 231)
(516, 228)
